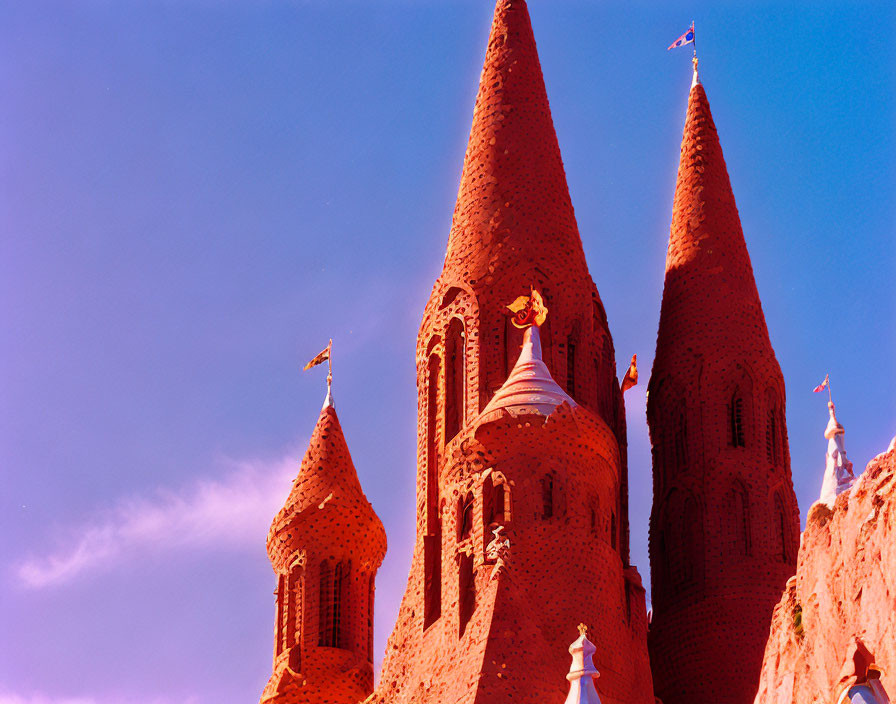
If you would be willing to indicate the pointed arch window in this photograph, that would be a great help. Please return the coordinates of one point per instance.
(613, 531)
(325, 635)
(466, 591)
(772, 429)
(281, 596)
(736, 430)
(432, 573)
(782, 533)
(495, 505)
(571, 366)
(738, 510)
(465, 516)
(606, 380)
(547, 496)
(432, 457)
(332, 621)
(455, 374)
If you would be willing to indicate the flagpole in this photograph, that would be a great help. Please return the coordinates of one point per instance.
(830, 394)
(694, 30)
(329, 366)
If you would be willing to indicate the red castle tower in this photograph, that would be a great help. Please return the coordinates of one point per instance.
(521, 481)
(724, 529)
(325, 545)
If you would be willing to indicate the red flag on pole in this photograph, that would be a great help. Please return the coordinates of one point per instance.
(822, 386)
(631, 376)
(320, 358)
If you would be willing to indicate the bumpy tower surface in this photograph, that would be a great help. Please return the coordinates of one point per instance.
(473, 627)
(724, 529)
(325, 545)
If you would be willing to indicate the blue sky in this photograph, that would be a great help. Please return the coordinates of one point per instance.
(197, 195)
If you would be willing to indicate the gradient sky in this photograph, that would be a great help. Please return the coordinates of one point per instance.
(197, 194)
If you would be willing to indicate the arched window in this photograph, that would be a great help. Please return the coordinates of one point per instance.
(465, 517)
(455, 373)
(340, 618)
(606, 381)
(613, 530)
(332, 623)
(571, 366)
(595, 515)
(737, 436)
(326, 636)
(738, 510)
(547, 496)
(466, 591)
(781, 530)
(772, 429)
(293, 605)
(432, 456)
(432, 574)
(281, 597)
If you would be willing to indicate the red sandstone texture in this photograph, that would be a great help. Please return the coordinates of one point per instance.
(325, 545)
(468, 630)
(724, 528)
(838, 614)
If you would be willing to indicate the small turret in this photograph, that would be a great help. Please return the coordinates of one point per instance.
(838, 474)
(325, 546)
(582, 672)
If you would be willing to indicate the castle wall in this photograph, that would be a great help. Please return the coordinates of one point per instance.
(837, 616)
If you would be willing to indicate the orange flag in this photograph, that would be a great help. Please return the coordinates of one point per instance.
(631, 376)
(322, 357)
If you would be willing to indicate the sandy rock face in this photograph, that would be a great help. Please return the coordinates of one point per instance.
(835, 625)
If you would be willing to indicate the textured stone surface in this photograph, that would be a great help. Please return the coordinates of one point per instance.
(725, 524)
(470, 630)
(844, 594)
(323, 652)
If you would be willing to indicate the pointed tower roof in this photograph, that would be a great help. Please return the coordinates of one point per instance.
(708, 267)
(513, 198)
(327, 492)
(529, 388)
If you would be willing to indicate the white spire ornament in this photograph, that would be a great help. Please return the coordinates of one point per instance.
(582, 671)
(838, 474)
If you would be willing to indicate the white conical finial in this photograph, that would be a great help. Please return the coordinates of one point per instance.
(529, 387)
(838, 475)
(328, 401)
(696, 78)
(582, 671)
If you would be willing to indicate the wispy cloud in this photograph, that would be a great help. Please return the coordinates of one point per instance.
(232, 512)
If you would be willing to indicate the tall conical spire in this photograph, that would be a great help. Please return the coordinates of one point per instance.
(513, 196)
(707, 265)
(725, 518)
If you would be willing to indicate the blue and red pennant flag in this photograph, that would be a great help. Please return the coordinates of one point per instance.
(686, 38)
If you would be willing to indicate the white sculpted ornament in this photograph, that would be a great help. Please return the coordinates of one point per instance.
(838, 474)
(498, 551)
